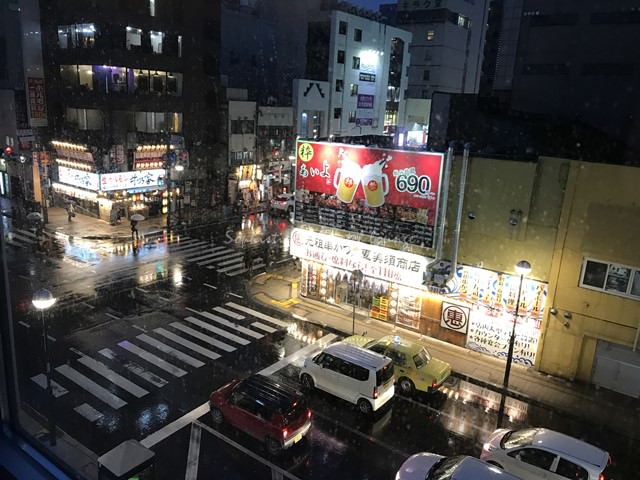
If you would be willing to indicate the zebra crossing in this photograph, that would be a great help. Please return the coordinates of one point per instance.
(221, 258)
(97, 384)
(27, 239)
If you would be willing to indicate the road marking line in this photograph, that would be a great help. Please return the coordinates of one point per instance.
(257, 314)
(88, 412)
(134, 368)
(24, 324)
(193, 457)
(164, 298)
(210, 286)
(229, 324)
(304, 352)
(92, 387)
(112, 316)
(153, 359)
(207, 338)
(194, 362)
(115, 378)
(235, 295)
(171, 428)
(142, 290)
(264, 327)
(86, 304)
(56, 389)
(234, 315)
(189, 344)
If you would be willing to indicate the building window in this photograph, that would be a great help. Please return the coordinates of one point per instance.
(430, 35)
(340, 56)
(80, 35)
(134, 38)
(339, 85)
(337, 113)
(426, 74)
(611, 278)
(156, 41)
(342, 28)
(428, 56)
(357, 35)
(354, 89)
(356, 63)
(352, 116)
(425, 93)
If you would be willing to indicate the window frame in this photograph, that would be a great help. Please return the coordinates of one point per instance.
(632, 289)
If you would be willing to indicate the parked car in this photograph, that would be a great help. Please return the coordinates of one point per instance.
(357, 375)
(283, 203)
(414, 366)
(263, 408)
(534, 453)
(426, 466)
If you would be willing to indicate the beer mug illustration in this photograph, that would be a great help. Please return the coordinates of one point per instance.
(375, 184)
(346, 180)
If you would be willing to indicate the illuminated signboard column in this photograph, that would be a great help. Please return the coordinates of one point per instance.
(391, 194)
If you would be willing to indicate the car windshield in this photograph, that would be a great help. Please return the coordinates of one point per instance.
(443, 470)
(518, 438)
(422, 358)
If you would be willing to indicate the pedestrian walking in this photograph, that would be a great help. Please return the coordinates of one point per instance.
(134, 230)
(248, 259)
(71, 212)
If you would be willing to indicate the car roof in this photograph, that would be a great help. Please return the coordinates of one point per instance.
(274, 394)
(471, 468)
(356, 354)
(400, 344)
(567, 445)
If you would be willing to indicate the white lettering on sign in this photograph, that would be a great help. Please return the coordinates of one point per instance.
(79, 178)
(149, 179)
(374, 261)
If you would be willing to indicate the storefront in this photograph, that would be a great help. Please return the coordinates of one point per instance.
(477, 312)
(246, 186)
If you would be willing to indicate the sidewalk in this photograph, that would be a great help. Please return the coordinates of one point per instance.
(612, 410)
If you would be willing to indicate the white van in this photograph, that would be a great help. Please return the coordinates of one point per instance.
(360, 376)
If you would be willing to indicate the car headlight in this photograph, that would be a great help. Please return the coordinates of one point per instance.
(487, 447)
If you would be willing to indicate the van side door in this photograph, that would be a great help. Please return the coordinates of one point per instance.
(354, 381)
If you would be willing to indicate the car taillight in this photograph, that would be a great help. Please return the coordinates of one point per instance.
(285, 432)
(308, 413)
(434, 384)
(375, 392)
(601, 477)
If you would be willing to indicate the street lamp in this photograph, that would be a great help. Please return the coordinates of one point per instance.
(356, 279)
(523, 268)
(43, 300)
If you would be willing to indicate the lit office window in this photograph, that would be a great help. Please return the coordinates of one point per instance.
(430, 35)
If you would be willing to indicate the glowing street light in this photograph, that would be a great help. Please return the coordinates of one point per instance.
(523, 268)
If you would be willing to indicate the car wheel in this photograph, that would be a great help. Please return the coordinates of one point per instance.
(406, 386)
(273, 446)
(216, 416)
(307, 381)
(365, 406)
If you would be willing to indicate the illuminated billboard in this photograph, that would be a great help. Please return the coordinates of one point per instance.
(392, 194)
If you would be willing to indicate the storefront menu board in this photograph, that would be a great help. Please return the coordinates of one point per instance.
(378, 262)
(392, 194)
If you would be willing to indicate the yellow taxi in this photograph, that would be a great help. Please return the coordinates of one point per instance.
(415, 368)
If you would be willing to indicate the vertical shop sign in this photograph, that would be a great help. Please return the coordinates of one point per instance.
(37, 103)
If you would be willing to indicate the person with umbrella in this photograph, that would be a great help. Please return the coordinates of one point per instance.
(70, 211)
(135, 218)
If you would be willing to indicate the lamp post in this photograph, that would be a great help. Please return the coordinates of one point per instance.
(356, 279)
(523, 268)
(43, 300)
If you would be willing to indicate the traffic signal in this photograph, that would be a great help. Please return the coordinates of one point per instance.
(8, 150)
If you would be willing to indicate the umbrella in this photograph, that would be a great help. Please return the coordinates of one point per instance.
(34, 216)
(136, 217)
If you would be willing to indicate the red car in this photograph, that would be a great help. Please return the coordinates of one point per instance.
(269, 411)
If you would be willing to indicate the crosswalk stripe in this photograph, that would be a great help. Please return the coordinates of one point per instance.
(217, 331)
(234, 261)
(240, 271)
(57, 390)
(189, 344)
(210, 253)
(134, 368)
(230, 268)
(229, 324)
(302, 353)
(264, 327)
(153, 359)
(194, 362)
(238, 256)
(112, 376)
(259, 315)
(92, 387)
(229, 313)
(190, 249)
(203, 337)
(88, 412)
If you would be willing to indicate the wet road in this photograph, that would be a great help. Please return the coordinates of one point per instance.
(140, 337)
